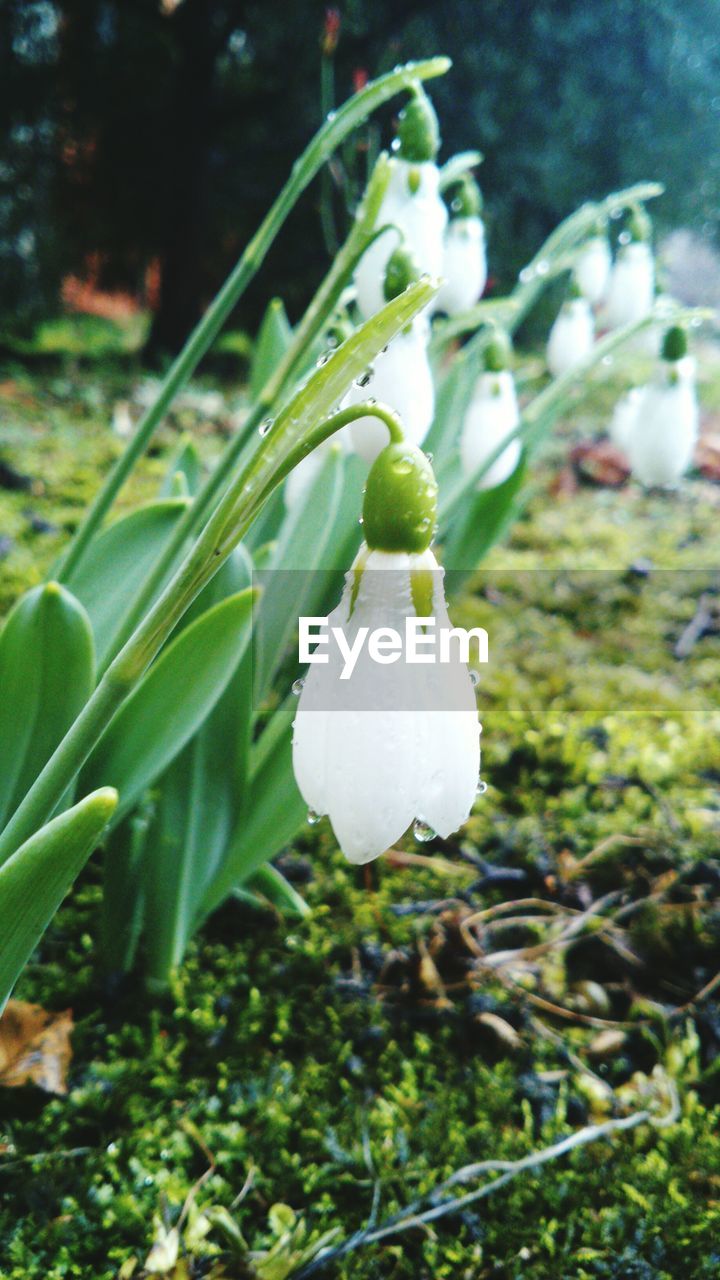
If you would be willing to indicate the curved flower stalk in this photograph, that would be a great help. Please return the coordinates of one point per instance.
(412, 207)
(592, 268)
(663, 433)
(464, 266)
(631, 290)
(398, 743)
(572, 335)
(492, 415)
(400, 377)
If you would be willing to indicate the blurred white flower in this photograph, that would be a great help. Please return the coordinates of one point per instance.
(631, 290)
(464, 266)
(571, 337)
(413, 204)
(492, 414)
(401, 379)
(592, 269)
(623, 417)
(663, 432)
(398, 744)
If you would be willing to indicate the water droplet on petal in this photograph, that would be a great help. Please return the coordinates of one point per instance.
(482, 787)
(422, 831)
(429, 457)
(298, 686)
(475, 678)
(313, 818)
(265, 426)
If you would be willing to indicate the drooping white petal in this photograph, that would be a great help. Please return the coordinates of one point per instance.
(592, 269)
(402, 741)
(414, 205)
(402, 379)
(631, 289)
(663, 434)
(492, 414)
(464, 267)
(571, 337)
(623, 417)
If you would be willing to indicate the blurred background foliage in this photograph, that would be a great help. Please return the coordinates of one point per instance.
(141, 141)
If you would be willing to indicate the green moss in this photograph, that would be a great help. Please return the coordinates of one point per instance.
(319, 1056)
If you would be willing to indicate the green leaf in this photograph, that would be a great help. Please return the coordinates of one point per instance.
(268, 885)
(273, 815)
(197, 803)
(451, 406)
(480, 522)
(47, 673)
(290, 577)
(187, 463)
(118, 562)
(273, 341)
(34, 881)
(171, 702)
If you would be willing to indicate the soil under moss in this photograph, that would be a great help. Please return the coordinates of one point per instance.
(363, 1050)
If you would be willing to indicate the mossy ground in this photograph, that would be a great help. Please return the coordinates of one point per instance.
(348, 1050)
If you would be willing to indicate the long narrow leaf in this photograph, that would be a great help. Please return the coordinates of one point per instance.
(34, 881)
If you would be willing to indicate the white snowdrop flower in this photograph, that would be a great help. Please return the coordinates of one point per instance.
(122, 423)
(398, 743)
(492, 414)
(412, 204)
(464, 266)
(592, 269)
(623, 417)
(401, 379)
(662, 437)
(632, 285)
(571, 337)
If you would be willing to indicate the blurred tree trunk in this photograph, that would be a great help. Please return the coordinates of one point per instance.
(186, 150)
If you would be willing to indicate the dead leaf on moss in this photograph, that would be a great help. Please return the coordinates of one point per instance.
(707, 456)
(599, 462)
(35, 1046)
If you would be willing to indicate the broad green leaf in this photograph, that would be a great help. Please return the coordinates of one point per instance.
(171, 702)
(291, 574)
(34, 881)
(451, 407)
(187, 463)
(47, 673)
(118, 562)
(274, 813)
(480, 522)
(197, 803)
(123, 897)
(273, 341)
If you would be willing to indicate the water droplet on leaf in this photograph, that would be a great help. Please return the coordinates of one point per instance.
(313, 818)
(265, 426)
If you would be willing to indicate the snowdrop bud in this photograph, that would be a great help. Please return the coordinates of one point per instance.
(592, 269)
(400, 504)
(662, 437)
(412, 204)
(402, 379)
(418, 136)
(571, 337)
(464, 268)
(492, 415)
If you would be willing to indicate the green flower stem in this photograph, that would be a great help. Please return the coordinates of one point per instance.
(294, 434)
(458, 165)
(363, 233)
(325, 142)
